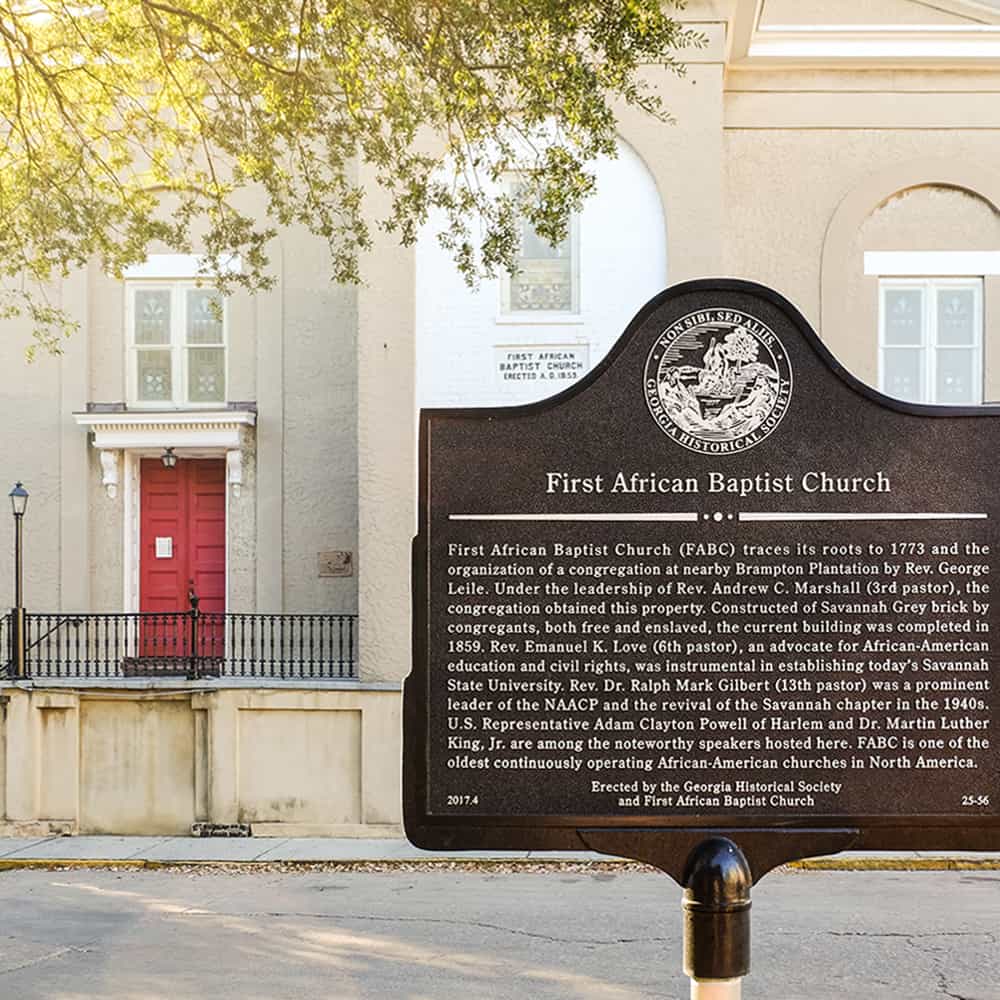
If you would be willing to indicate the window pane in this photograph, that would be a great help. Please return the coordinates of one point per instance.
(534, 247)
(543, 284)
(207, 375)
(956, 377)
(204, 316)
(154, 376)
(904, 308)
(956, 311)
(152, 316)
(902, 375)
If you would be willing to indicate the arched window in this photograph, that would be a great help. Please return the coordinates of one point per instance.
(522, 338)
(911, 285)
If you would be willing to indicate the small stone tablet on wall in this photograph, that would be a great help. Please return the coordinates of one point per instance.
(336, 563)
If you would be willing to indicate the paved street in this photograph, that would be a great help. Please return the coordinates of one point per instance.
(453, 935)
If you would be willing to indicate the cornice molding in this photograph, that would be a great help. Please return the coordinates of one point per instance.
(214, 430)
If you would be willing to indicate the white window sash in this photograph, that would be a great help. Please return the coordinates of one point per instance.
(930, 343)
(178, 347)
(509, 314)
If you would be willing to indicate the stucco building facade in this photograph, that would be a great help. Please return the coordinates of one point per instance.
(845, 153)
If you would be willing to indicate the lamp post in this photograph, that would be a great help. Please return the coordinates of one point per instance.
(19, 504)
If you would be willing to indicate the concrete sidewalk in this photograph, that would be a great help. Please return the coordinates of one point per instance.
(15, 851)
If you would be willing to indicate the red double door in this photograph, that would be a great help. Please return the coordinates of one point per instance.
(182, 545)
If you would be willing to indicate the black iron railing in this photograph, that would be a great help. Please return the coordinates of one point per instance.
(6, 643)
(191, 644)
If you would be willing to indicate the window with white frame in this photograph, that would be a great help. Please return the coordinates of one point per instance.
(931, 339)
(176, 343)
(547, 278)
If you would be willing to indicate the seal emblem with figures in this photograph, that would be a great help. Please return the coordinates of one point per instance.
(718, 381)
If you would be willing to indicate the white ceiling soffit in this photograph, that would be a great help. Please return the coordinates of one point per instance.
(987, 11)
(973, 42)
(872, 13)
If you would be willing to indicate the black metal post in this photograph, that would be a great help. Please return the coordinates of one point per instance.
(194, 670)
(717, 883)
(18, 616)
(18, 563)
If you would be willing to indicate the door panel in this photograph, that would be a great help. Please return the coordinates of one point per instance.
(207, 526)
(187, 505)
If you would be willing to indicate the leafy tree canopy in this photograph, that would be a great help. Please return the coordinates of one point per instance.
(106, 108)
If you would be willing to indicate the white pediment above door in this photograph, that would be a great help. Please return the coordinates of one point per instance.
(207, 432)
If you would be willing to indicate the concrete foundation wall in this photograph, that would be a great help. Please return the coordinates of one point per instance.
(128, 761)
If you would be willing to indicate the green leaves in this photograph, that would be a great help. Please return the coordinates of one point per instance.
(143, 121)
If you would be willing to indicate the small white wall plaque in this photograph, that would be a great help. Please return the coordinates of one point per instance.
(555, 365)
(164, 548)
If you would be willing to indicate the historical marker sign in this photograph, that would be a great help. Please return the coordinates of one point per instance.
(717, 584)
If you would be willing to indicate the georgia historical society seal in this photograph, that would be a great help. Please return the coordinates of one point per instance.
(718, 381)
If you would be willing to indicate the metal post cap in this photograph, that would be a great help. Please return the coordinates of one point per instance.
(717, 882)
(717, 877)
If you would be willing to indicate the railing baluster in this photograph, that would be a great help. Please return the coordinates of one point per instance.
(312, 644)
(340, 647)
(45, 662)
(256, 645)
(321, 662)
(345, 655)
(350, 633)
(270, 622)
(321, 665)
(27, 644)
(325, 647)
(296, 662)
(336, 656)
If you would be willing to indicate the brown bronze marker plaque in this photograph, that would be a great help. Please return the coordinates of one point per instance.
(718, 584)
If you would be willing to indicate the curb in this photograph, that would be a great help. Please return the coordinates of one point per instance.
(942, 863)
(938, 864)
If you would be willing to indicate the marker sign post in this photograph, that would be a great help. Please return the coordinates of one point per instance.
(716, 589)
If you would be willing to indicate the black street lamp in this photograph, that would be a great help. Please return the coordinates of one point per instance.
(19, 504)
